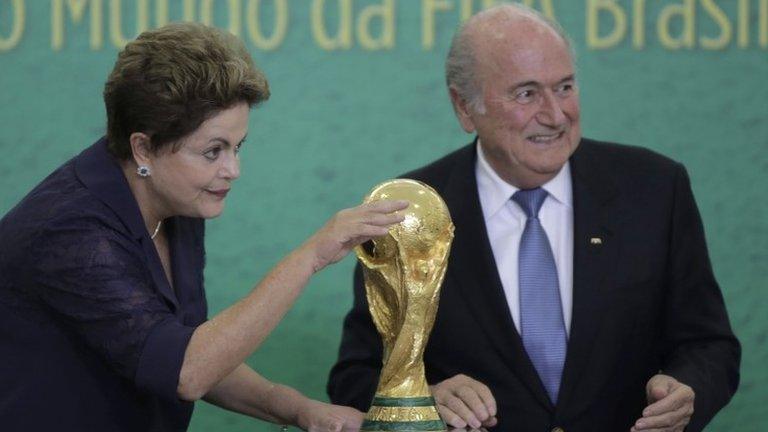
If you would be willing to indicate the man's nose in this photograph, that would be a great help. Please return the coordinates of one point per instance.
(551, 113)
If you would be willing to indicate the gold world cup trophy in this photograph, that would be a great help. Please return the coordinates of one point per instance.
(403, 272)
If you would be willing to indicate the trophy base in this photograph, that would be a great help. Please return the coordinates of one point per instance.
(403, 415)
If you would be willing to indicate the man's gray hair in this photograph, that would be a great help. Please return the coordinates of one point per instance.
(460, 63)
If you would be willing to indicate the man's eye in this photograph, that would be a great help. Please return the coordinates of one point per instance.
(525, 96)
(565, 89)
(237, 148)
(212, 154)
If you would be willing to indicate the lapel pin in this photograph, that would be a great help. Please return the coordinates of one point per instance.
(596, 241)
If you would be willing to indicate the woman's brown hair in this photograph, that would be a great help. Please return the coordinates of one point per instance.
(168, 81)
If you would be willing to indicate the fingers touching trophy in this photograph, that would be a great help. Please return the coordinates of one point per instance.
(403, 271)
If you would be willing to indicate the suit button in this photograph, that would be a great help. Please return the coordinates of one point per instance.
(558, 429)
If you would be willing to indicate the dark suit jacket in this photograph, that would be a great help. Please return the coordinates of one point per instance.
(92, 336)
(644, 301)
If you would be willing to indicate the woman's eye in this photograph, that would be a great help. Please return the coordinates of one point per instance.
(212, 154)
(237, 148)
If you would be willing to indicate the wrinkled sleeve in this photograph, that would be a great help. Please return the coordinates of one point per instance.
(95, 280)
(701, 349)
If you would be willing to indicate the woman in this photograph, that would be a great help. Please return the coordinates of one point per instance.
(102, 310)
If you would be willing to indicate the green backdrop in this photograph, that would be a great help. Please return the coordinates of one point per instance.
(359, 97)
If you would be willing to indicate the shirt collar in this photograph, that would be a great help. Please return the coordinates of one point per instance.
(494, 192)
(101, 173)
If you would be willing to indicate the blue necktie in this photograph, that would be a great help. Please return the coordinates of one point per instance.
(541, 314)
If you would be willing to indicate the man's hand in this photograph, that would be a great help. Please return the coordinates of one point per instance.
(463, 402)
(670, 406)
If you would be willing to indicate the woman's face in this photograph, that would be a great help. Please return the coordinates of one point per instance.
(194, 180)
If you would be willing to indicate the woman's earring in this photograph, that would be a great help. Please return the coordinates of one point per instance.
(143, 171)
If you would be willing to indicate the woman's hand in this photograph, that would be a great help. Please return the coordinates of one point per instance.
(351, 227)
(221, 344)
(315, 416)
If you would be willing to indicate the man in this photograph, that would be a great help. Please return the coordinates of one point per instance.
(579, 294)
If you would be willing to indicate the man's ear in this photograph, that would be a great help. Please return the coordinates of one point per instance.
(140, 149)
(462, 109)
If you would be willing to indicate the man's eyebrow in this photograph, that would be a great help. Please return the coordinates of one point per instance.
(533, 83)
(528, 83)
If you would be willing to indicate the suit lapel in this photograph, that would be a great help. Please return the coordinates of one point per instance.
(595, 248)
(472, 270)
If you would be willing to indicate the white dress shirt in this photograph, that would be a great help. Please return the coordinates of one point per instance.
(505, 222)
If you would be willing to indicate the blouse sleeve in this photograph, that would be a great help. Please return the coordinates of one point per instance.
(96, 281)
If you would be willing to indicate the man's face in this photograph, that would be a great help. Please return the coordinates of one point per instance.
(530, 126)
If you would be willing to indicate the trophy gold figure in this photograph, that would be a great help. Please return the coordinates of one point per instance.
(403, 272)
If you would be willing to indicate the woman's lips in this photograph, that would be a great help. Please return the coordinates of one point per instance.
(221, 193)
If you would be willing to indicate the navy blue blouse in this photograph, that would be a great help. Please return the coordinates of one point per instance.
(92, 336)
